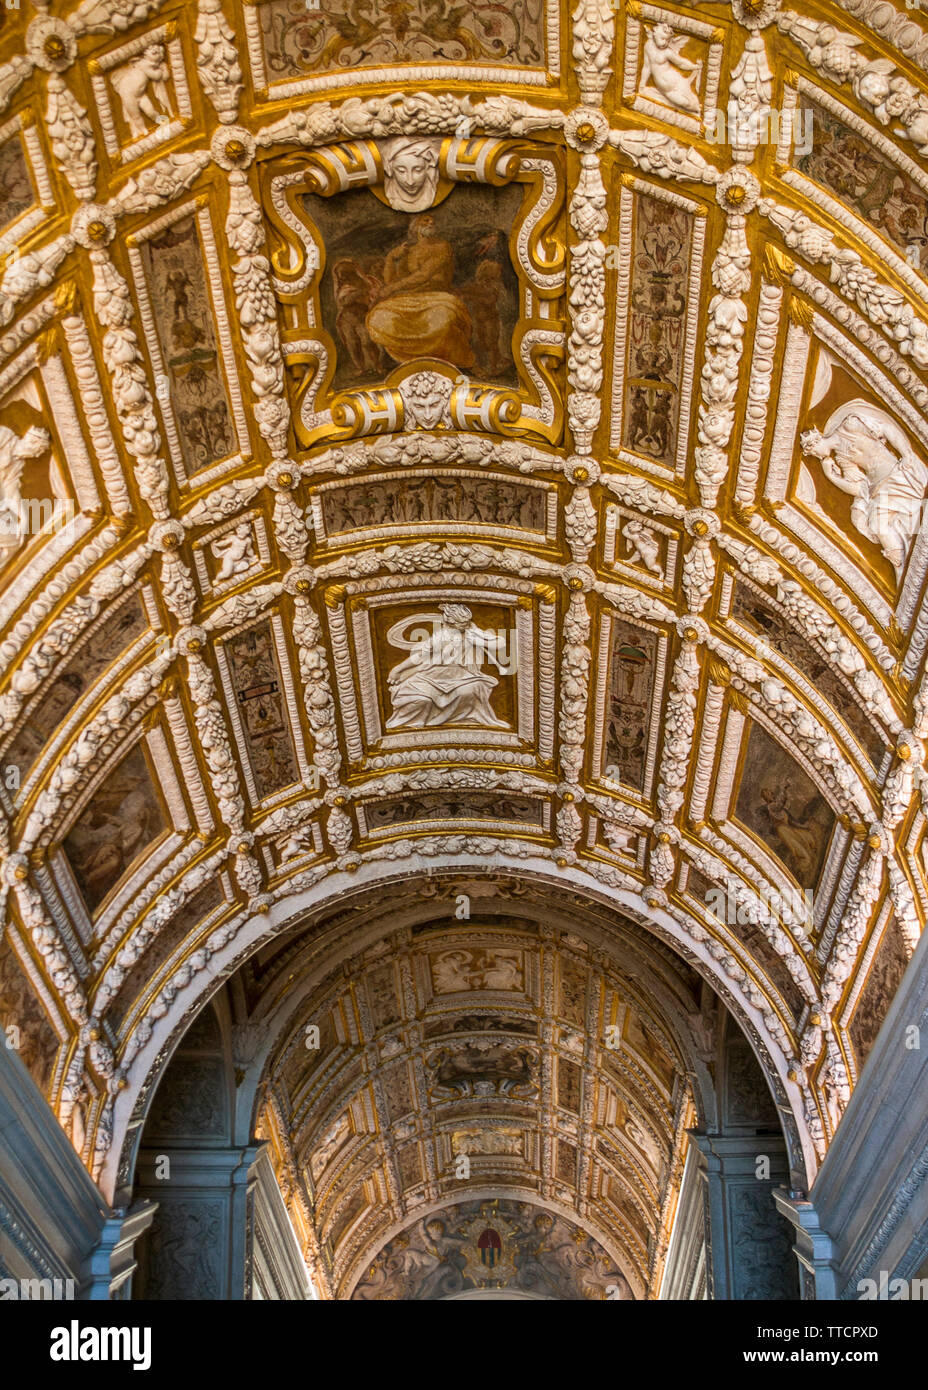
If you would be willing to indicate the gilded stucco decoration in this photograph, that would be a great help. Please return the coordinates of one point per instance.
(493, 444)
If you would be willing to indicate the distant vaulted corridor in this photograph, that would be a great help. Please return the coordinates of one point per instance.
(463, 633)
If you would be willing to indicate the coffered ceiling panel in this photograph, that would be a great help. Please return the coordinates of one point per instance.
(470, 438)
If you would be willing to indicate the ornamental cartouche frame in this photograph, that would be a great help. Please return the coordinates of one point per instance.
(446, 396)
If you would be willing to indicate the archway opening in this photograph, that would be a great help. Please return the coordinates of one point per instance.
(477, 1086)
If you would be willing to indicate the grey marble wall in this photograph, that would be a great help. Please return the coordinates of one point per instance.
(866, 1217)
(51, 1214)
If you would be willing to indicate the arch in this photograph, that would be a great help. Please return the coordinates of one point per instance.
(614, 388)
(155, 1052)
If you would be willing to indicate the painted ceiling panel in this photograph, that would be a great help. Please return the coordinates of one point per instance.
(448, 451)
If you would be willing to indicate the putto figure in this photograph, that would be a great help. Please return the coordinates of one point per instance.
(131, 84)
(663, 70)
(235, 552)
(442, 681)
(868, 456)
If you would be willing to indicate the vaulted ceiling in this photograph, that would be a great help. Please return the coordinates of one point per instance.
(473, 438)
(556, 1058)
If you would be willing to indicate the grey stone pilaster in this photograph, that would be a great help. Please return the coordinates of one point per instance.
(198, 1244)
(750, 1248)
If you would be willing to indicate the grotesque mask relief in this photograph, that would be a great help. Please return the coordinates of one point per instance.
(418, 314)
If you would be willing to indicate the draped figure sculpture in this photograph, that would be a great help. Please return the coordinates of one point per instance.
(868, 456)
(15, 452)
(441, 681)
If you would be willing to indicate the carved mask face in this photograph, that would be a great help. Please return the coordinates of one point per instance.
(34, 442)
(410, 174)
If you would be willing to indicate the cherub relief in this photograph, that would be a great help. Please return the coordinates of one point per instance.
(665, 67)
(142, 89)
(235, 552)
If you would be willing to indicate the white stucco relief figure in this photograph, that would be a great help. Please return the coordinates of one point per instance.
(442, 681)
(664, 68)
(297, 842)
(868, 456)
(643, 545)
(235, 552)
(460, 970)
(15, 450)
(410, 167)
(132, 83)
(504, 1140)
(330, 1143)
